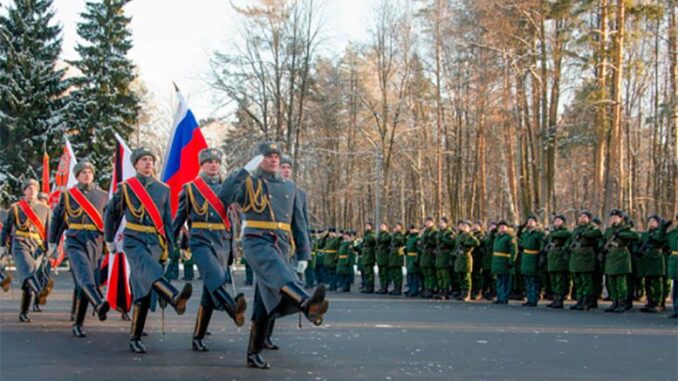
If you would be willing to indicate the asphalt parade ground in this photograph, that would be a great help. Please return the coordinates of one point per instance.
(364, 338)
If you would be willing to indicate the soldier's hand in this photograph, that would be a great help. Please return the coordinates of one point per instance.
(253, 164)
(111, 247)
(302, 266)
(51, 249)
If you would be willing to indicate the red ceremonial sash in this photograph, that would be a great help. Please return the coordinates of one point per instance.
(30, 214)
(87, 206)
(214, 201)
(147, 202)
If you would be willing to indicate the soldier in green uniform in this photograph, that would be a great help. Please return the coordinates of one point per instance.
(651, 265)
(557, 253)
(582, 264)
(504, 250)
(383, 250)
(345, 261)
(531, 243)
(367, 257)
(443, 262)
(396, 259)
(477, 269)
(488, 288)
(618, 236)
(331, 248)
(412, 262)
(320, 259)
(465, 243)
(598, 269)
(309, 274)
(672, 271)
(427, 261)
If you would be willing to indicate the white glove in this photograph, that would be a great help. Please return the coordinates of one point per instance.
(111, 247)
(253, 164)
(51, 248)
(302, 266)
(3, 251)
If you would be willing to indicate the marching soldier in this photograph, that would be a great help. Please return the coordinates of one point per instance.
(672, 273)
(414, 278)
(27, 226)
(273, 225)
(651, 265)
(618, 236)
(466, 243)
(395, 259)
(504, 250)
(320, 273)
(427, 260)
(148, 238)
(582, 264)
(209, 240)
(309, 274)
(368, 258)
(558, 260)
(444, 247)
(345, 262)
(531, 244)
(383, 249)
(599, 265)
(80, 213)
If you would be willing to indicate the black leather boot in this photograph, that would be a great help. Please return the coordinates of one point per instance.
(268, 343)
(94, 296)
(558, 299)
(80, 313)
(234, 308)
(612, 306)
(314, 306)
(577, 306)
(138, 322)
(621, 306)
(201, 323)
(74, 302)
(172, 296)
(256, 344)
(26, 297)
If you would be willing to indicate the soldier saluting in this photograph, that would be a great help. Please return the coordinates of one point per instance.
(80, 213)
(27, 225)
(274, 230)
(145, 204)
(210, 244)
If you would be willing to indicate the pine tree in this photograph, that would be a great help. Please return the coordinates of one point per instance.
(103, 102)
(31, 90)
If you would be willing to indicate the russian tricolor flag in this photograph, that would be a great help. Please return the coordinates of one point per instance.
(181, 160)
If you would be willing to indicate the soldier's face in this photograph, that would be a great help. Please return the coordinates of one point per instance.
(398, 228)
(558, 222)
(86, 176)
(383, 227)
(653, 224)
(584, 219)
(614, 220)
(502, 228)
(286, 171)
(531, 223)
(442, 224)
(271, 163)
(31, 192)
(211, 167)
(429, 223)
(463, 228)
(145, 165)
(368, 227)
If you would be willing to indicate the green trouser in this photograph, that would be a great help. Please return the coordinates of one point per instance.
(583, 284)
(429, 278)
(397, 277)
(464, 281)
(559, 281)
(444, 279)
(654, 289)
(617, 286)
(597, 284)
(369, 276)
(384, 278)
